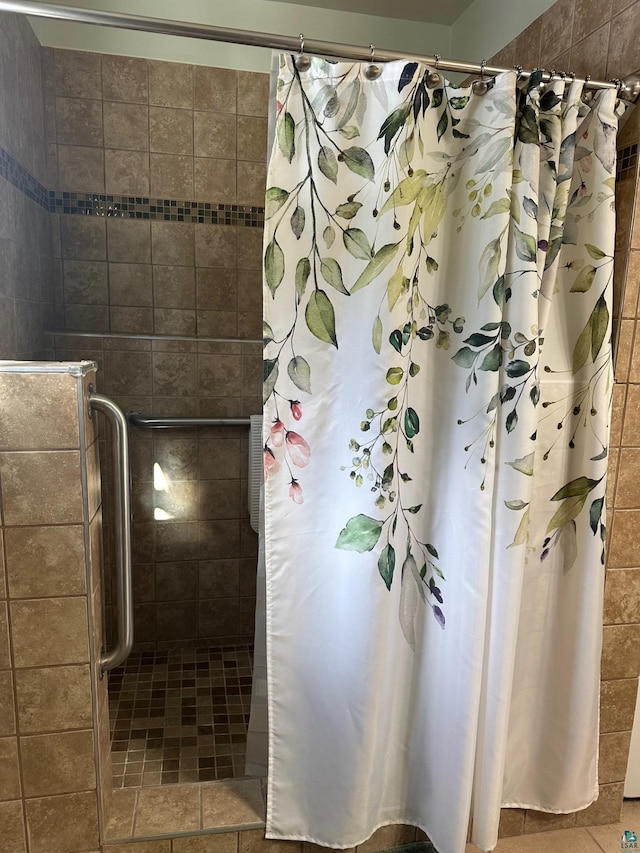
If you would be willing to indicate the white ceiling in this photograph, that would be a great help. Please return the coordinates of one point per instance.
(446, 12)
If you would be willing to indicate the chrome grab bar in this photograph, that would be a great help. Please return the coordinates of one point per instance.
(142, 421)
(122, 483)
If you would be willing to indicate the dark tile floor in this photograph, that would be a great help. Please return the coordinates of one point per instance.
(180, 716)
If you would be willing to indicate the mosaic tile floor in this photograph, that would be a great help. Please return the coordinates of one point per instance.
(180, 716)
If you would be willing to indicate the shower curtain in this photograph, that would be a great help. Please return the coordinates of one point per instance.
(438, 271)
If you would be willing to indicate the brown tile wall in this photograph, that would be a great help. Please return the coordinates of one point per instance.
(194, 570)
(50, 693)
(181, 132)
(156, 129)
(26, 284)
(601, 39)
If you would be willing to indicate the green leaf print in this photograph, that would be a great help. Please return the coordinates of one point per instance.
(380, 260)
(332, 273)
(568, 510)
(524, 464)
(321, 318)
(525, 245)
(348, 210)
(360, 162)
(411, 423)
(270, 376)
(494, 155)
(493, 359)
(303, 270)
(595, 513)
(387, 564)
(497, 208)
(582, 348)
(580, 487)
(488, 266)
(273, 265)
(356, 243)
(392, 125)
(584, 280)
(596, 253)
(300, 373)
(361, 534)
(274, 199)
(328, 164)
(599, 326)
(394, 375)
(376, 334)
(297, 221)
(465, 357)
(406, 192)
(286, 136)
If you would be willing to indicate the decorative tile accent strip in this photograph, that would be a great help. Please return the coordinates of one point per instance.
(627, 162)
(14, 172)
(128, 207)
(164, 209)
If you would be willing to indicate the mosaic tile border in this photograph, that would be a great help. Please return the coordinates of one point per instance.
(163, 209)
(627, 162)
(126, 206)
(14, 172)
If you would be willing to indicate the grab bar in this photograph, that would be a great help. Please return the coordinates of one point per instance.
(142, 421)
(120, 457)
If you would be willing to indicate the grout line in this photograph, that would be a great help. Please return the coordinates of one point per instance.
(588, 828)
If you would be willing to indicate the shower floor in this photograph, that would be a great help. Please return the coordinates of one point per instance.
(180, 715)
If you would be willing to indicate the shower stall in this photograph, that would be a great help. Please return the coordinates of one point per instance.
(161, 287)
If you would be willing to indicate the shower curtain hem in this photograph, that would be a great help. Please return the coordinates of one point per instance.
(274, 835)
(548, 809)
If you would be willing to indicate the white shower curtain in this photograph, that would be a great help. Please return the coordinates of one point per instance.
(438, 277)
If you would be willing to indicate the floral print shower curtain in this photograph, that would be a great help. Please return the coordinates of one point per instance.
(438, 269)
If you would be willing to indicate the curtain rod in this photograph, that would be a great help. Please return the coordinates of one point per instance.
(628, 88)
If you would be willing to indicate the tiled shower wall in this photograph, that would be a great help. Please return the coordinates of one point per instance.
(167, 136)
(172, 299)
(601, 38)
(25, 245)
(54, 720)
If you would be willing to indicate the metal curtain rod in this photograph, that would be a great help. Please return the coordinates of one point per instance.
(629, 88)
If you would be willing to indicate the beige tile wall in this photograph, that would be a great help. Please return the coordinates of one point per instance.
(26, 282)
(50, 693)
(601, 39)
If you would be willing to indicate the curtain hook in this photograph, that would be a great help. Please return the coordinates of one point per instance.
(372, 71)
(480, 87)
(434, 79)
(302, 61)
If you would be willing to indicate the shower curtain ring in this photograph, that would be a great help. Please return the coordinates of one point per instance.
(372, 71)
(302, 61)
(481, 87)
(434, 79)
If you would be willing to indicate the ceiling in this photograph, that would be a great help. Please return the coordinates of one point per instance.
(446, 12)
